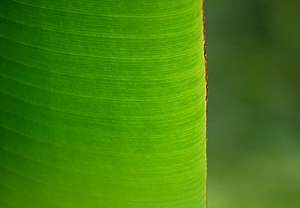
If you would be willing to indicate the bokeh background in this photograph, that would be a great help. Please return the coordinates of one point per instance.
(253, 51)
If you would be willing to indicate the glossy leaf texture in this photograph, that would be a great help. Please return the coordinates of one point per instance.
(102, 104)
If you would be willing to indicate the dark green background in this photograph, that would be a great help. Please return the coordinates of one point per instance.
(254, 95)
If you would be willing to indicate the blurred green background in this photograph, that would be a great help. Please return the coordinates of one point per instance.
(253, 51)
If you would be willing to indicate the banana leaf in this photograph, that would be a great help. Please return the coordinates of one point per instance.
(102, 104)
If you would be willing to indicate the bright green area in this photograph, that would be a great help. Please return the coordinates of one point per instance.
(102, 104)
(254, 83)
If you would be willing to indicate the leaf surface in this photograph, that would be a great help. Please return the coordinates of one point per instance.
(103, 104)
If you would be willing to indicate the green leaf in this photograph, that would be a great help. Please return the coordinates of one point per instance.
(103, 104)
